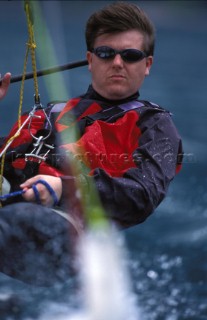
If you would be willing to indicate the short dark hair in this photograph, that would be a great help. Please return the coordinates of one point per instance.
(117, 17)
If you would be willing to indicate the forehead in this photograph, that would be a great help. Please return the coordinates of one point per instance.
(121, 40)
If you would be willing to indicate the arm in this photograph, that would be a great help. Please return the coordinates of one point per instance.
(130, 199)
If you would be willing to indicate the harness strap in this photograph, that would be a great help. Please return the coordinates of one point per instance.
(108, 114)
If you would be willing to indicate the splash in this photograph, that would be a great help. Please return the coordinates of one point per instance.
(106, 291)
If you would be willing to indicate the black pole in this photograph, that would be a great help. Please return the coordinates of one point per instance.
(44, 72)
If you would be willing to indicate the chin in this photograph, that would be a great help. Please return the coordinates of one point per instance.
(117, 93)
(114, 95)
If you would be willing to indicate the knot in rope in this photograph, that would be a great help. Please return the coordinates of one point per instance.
(31, 45)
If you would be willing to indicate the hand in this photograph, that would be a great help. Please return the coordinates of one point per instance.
(4, 85)
(45, 197)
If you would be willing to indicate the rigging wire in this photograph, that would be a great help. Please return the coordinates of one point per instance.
(30, 48)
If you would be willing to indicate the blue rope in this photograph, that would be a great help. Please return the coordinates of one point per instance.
(49, 188)
(12, 194)
(36, 193)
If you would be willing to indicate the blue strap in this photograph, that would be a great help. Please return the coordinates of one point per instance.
(36, 192)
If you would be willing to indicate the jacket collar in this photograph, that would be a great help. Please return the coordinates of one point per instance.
(92, 94)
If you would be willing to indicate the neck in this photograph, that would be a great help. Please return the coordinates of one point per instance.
(95, 95)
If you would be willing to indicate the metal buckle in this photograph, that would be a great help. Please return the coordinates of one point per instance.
(35, 154)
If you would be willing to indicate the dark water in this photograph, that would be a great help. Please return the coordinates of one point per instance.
(167, 255)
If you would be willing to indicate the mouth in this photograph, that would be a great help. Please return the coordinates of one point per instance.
(117, 77)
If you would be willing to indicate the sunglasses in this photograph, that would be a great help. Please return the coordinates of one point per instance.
(128, 55)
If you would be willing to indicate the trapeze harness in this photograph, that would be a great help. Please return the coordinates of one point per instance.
(40, 123)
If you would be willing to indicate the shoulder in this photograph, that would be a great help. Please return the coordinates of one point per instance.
(153, 111)
(154, 115)
(151, 106)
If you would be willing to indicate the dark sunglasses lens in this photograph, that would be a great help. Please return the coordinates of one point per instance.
(105, 52)
(132, 55)
(129, 55)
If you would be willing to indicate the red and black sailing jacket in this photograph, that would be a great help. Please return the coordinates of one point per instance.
(130, 148)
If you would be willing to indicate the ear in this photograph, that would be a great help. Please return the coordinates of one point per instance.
(149, 62)
(89, 58)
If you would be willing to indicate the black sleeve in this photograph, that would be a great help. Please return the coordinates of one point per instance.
(130, 199)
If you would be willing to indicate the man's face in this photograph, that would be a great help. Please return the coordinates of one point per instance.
(115, 78)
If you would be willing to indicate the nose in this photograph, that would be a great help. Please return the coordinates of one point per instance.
(118, 60)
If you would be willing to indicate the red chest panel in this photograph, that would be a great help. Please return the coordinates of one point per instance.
(109, 145)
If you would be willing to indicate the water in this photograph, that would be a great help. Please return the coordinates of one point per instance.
(167, 258)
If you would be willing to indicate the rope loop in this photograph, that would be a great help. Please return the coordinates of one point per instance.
(49, 188)
(36, 193)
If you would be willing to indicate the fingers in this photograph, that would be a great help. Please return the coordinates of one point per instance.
(4, 84)
(29, 195)
(5, 81)
(28, 183)
(44, 195)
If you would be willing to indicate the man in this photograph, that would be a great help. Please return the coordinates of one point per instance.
(128, 147)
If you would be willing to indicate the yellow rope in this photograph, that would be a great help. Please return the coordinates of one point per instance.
(31, 46)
